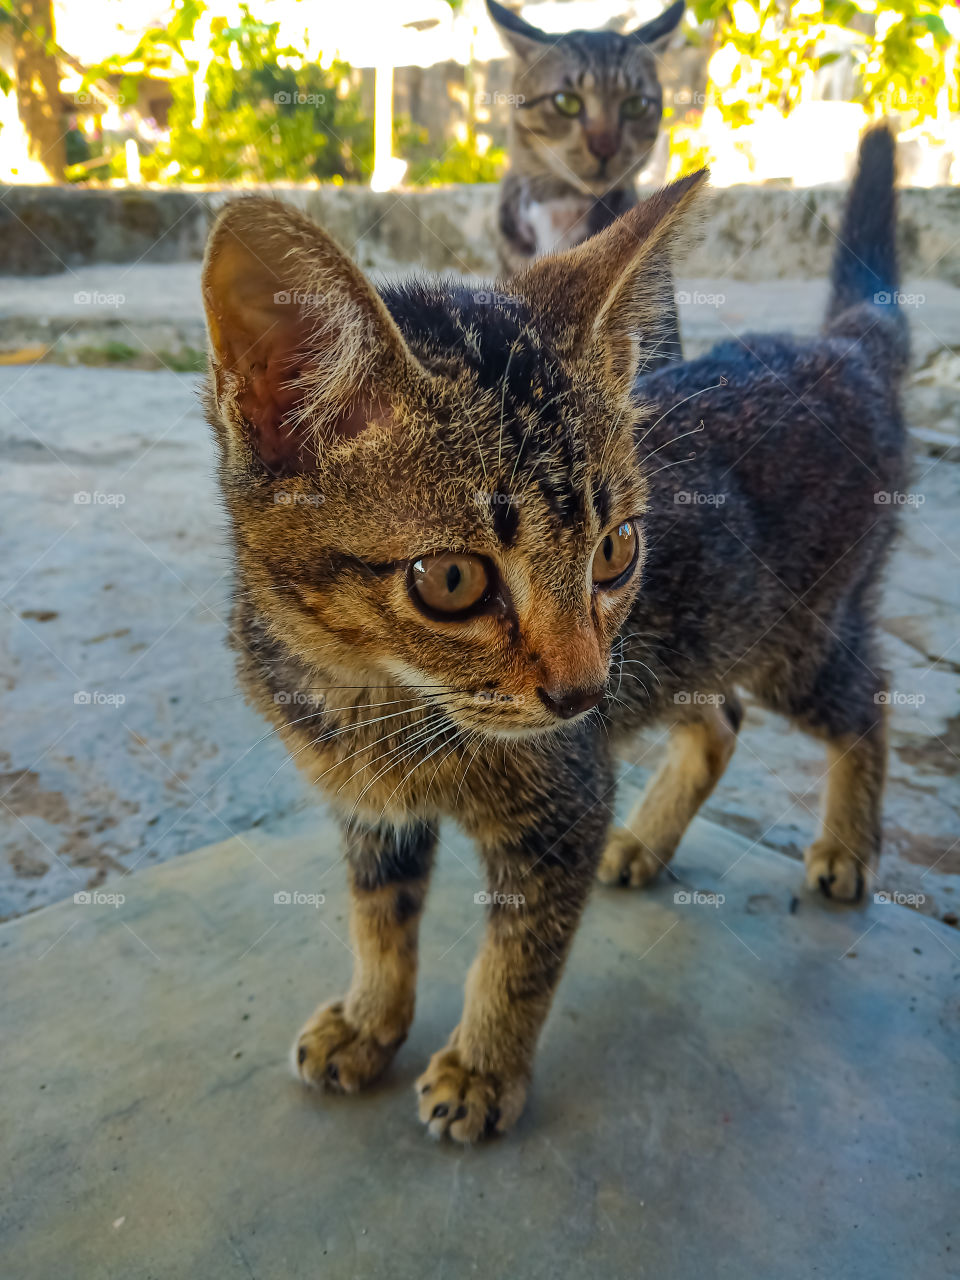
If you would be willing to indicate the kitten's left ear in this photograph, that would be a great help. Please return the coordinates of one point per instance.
(606, 304)
(656, 33)
(304, 349)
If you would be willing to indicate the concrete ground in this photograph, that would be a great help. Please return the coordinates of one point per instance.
(122, 597)
(760, 1088)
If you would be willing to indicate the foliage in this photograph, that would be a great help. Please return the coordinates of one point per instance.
(269, 114)
(462, 161)
(898, 52)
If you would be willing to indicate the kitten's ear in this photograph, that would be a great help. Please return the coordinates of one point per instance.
(525, 40)
(656, 33)
(303, 349)
(606, 304)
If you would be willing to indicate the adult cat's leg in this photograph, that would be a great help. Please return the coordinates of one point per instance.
(348, 1043)
(698, 752)
(538, 884)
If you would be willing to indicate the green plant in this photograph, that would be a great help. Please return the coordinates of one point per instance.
(900, 54)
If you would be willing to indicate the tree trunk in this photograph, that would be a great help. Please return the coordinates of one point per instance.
(38, 84)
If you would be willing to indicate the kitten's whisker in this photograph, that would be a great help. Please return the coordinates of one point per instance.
(683, 435)
(691, 396)
(680, 461)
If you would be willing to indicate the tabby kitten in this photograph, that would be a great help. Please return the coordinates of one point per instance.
(587, 108)
(464, 577)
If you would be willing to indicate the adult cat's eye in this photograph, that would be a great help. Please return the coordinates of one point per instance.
(634, 108)
(616, 556)
(568, 104)
(450, 585)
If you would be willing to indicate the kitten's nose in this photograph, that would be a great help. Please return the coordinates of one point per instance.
(567, 703)
(604, 144)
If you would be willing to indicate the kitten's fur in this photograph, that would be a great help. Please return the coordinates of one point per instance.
(359, 432)
(571, 176)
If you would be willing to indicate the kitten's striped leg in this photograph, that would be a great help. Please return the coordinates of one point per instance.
(477, 1084)
(697, 754)
(348, 1043)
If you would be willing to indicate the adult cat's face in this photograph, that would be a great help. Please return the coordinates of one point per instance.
(588, 103)
(431, 489)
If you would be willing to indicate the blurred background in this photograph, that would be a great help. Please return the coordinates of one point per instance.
(417, 91)
(125, 124)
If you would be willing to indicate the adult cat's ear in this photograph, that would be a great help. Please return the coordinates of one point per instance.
(656, 33)
(525, 40)
(303, 349)
(606, 304)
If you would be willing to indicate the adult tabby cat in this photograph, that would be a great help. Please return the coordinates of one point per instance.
(463, 577)
(587, 109)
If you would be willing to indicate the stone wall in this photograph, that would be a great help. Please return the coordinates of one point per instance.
(749, 233)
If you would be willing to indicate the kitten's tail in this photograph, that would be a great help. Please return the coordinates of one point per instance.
(865, 279)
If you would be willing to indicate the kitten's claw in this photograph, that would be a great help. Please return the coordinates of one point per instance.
(466, 1105)
(626, 861)
(330, 1053)
(835, 871)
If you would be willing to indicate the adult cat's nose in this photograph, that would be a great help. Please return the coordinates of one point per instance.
(567, 703)
(603, 144)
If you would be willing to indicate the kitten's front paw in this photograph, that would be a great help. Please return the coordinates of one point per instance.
(627, 861)
(466, 1104)
(835, 871)
(332, 1054)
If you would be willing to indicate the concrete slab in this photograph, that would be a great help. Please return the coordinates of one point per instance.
(756, 1089)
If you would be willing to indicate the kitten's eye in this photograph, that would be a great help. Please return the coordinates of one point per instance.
(450, 584)
(634, 108)
(568, 104)
(616, 556)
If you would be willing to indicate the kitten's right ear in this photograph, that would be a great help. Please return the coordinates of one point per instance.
(523, 39)
(303, 349)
